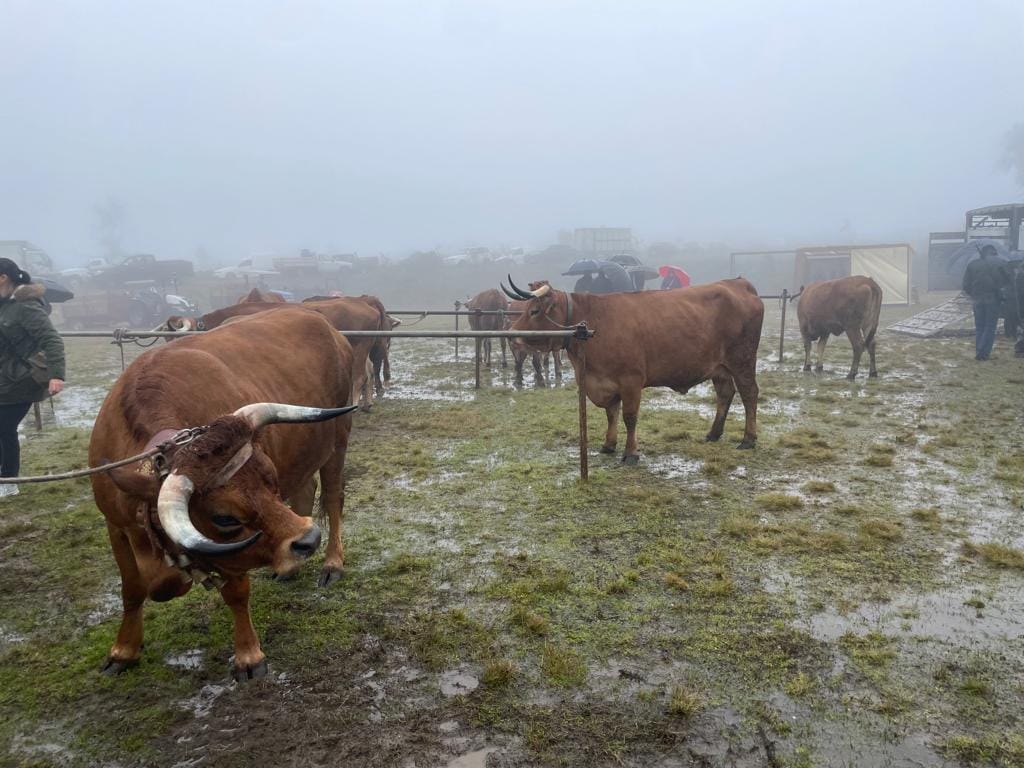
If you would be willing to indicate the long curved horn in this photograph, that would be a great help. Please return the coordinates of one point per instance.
(261, 414)
(522, 294)
(542, 291)
(509, 293)
(172, 509)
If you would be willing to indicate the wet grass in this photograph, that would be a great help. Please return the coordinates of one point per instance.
(471, 545)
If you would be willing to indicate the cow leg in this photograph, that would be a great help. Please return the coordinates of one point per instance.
(808, 342)
(301, 501)
(746, 383)
(128, 646)
(487, 352)
(504, 360)
(725, 389)
(630, 412)
(332, 499)
(378, 383)
(872, 371)
(821, 353)
(857, 342)
(538, 372)
(558, 364)
(367, 389)
(387, 367)
(249, 659)
(611, 437)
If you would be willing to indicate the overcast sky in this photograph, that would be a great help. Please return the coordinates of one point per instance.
(254, 127)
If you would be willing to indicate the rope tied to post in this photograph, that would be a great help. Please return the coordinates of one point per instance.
(180, 438)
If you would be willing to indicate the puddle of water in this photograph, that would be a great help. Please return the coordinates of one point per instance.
(457, 682)
(192, 659)
(9, 637)
(477, 759)
(106, 607)
(201, 704)
(672, 467)
(941, 615)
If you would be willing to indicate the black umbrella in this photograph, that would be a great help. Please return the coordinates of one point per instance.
(55, 292)
(972, 248)
(584, 267)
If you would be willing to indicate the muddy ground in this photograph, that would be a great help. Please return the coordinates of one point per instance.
(848, 594)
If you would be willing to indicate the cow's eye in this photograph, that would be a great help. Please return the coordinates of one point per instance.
(226, 522)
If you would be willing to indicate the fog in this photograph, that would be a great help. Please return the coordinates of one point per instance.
(259, 127)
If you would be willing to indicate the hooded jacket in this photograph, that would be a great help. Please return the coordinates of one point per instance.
(985, 279)
(26, 329)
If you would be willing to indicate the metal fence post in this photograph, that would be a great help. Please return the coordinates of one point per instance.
(782, 331)
(581, 386)
(457, 305)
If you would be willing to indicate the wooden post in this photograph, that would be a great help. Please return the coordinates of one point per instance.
(479, 343)
(581, 385)
(782, 331)
(37, 412)
(457, 305)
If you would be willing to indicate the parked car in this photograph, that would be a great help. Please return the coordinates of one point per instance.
(146, 266)
(244, 268)
(135, 306)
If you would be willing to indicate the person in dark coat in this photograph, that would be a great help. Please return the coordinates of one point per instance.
(984, 281)
(25, 330)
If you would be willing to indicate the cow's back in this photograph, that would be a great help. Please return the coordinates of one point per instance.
(490, 300)
(672, 338)
(834, 306)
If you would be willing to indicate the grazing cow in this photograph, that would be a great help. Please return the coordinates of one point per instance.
(674, 339)
(847, 305)
(490, 300)
(540, 356)
(256, 296)
(345, 314)
(213, 509)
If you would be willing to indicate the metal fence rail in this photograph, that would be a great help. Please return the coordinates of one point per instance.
(578, 332)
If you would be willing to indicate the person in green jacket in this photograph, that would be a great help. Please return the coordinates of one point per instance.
(25, 330)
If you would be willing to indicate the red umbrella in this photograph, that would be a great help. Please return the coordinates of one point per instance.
(669, 272)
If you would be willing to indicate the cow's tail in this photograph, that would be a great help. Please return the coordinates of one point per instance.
(874, 311)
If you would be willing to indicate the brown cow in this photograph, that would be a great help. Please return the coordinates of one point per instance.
(256, 296)
(674, 339)
(345, 314)
(215, 505)
(490, 300)
(847, 305)
(540, 356)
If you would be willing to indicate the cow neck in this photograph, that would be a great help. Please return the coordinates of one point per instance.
(568, 319)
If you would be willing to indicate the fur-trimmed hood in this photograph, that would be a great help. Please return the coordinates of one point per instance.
(29, 291)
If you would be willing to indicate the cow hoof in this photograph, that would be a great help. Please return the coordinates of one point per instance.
(607, 449)
(710, 438)
(807, 367)
(328, 576)
(632, 458)
(746, 445)
(541, 384)
(851, 376)
(819, 368)
(112, 667)
(873, 375)
(284, 576)
(242, 674)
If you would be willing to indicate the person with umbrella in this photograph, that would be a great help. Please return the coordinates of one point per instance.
(31, 360)
(984, 281)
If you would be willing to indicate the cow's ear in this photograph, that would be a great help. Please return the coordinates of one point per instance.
(145, 487)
